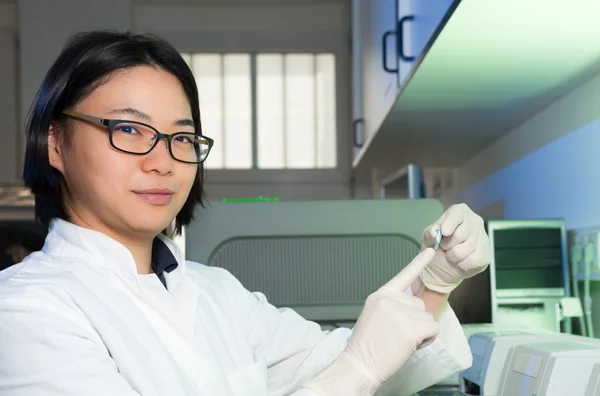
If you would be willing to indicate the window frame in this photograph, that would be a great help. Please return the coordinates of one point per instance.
(337, 43)
(254, 109)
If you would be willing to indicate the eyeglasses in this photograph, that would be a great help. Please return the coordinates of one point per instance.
(138, 138)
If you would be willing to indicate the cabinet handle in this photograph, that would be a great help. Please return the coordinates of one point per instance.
(355, 141)
(400, 38)
(386, 35)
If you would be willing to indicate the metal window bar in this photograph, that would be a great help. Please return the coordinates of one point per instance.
(254, 110)
(284, 110)
(253, 101)
(316, 111)
(223, 115)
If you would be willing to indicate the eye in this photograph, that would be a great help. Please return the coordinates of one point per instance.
(127, 129)
(184, 139)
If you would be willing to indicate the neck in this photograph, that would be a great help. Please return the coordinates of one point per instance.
(140, 247)
(142, 254)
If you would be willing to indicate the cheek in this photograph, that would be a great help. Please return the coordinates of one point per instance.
(186, 176)
(100, 170)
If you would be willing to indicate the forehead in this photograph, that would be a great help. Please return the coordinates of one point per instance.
(154, 91)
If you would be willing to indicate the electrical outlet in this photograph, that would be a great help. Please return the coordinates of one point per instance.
(576, 256)
(589, 243)
(594, 239)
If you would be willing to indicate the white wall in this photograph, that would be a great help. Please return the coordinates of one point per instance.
(562, 117)
(279, 27)
(44, 26)
(9, 149)
(547, 167)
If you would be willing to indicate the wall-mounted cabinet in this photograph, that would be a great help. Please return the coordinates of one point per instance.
(377, 88)
(417, 23)
(392, 37)
(480, 69)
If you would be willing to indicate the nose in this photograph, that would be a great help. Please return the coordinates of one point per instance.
(159, 159)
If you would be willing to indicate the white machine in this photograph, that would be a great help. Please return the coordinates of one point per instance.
(593, 388)
(549, 369)
(490, 352)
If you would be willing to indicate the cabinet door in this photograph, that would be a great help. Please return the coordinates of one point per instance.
(417, 22)
(380, 86)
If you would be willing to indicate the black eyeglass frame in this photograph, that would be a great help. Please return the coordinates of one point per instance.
(112, 123)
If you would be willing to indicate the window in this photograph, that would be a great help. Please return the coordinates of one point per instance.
(267, 110)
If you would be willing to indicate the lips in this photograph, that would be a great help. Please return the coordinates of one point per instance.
(155, 191)
(156, 196)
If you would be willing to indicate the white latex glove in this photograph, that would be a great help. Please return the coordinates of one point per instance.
(464, 250)
(390, 328)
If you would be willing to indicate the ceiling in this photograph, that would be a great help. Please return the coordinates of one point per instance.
(494, 65)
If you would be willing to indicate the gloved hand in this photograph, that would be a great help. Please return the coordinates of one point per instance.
(464, 250)
(390, 328)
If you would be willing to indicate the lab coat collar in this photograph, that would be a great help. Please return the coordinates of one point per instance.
(69, 240)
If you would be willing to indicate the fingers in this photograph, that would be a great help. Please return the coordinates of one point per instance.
(479, 259)
(448, 223)
(430, 234)
(407, 276)
(430, 330)
(460, 235)
(455, 216)
(462, 243)
(414, 309)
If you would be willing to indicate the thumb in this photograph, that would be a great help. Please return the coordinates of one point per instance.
(407, 276)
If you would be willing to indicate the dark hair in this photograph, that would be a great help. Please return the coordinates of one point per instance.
(87, 61)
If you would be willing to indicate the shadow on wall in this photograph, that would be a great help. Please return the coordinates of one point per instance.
(494, 211)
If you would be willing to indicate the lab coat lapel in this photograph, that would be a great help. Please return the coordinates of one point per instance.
(198, 366)
(186, 297)
(183, 293)
(123, 329)
(131, 324)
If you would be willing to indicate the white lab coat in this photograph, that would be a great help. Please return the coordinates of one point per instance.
(77, 319)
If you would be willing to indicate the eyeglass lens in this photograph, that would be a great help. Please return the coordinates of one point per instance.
(139, 139)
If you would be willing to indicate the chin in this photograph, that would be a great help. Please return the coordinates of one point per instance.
(153, 223)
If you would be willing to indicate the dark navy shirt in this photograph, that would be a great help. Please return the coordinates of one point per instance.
(162, 260)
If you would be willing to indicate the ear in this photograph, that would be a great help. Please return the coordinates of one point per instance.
(54, 151)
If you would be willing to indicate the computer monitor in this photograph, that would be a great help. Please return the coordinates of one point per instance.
(530, 260)
(530, 257)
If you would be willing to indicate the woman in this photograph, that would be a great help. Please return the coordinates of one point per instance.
(110, 307)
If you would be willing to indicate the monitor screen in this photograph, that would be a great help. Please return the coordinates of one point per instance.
(528, 257)
(472, 299)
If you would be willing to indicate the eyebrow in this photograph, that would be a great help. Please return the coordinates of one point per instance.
(146, 117)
